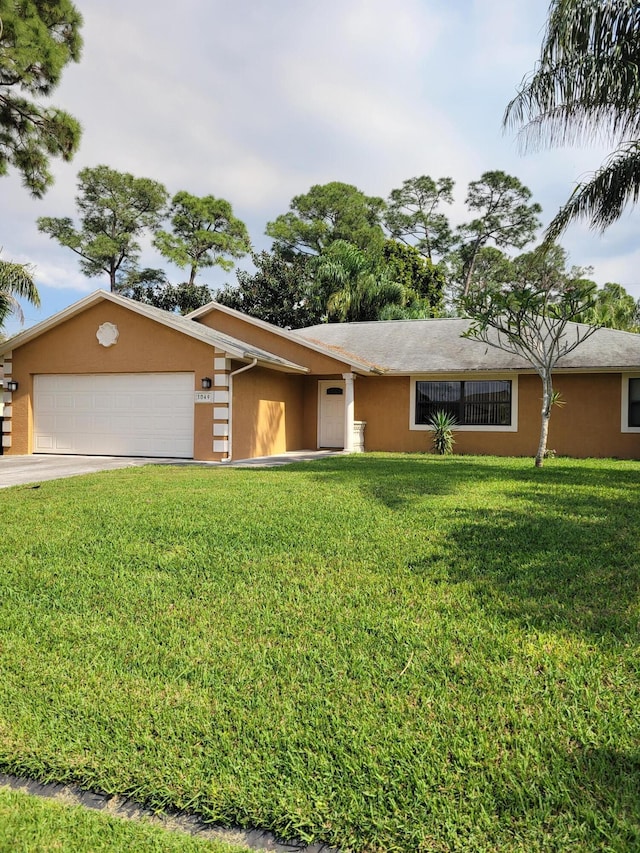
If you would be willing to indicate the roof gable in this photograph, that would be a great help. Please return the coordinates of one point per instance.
(232, 346)
(357, 362)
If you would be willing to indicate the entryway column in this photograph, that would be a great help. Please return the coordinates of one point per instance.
(349, 407)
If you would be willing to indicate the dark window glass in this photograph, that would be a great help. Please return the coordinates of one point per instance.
(634, 403)
(335, 391)
(472, 403)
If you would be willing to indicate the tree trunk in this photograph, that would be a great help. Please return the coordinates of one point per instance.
(470, 268)
(547, 393)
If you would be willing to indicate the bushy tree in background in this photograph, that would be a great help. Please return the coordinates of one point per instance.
(151, 287)
(280, 291)
(422, 281)
(505, 217)
(412, 215)
(37, 40)
(355, 286)
(613, 308)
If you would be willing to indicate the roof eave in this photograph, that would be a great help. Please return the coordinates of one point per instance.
(355, 367)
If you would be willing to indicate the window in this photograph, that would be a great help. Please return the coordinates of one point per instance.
(471, 402)
(633, 414)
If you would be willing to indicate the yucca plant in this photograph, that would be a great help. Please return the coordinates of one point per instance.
(443, 424)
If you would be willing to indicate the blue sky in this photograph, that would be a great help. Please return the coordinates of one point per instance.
(255, 102)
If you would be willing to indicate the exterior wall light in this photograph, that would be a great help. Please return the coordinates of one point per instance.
(12, 385)
(206, 382)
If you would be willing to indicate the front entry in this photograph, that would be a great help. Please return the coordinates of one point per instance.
(330, 413)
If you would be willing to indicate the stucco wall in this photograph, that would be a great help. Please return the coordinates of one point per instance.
(268, 413)
(588, 425)
(143, 346)
(273, 343)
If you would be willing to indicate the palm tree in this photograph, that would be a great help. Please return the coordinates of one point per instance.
(356, 286)
(587, 85)
(16, 280)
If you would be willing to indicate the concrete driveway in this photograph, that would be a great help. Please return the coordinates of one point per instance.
(22, 470)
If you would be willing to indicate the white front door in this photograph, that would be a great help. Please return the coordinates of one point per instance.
(130, 414)
(331, 413)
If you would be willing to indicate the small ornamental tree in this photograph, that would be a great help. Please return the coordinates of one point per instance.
(532, 316)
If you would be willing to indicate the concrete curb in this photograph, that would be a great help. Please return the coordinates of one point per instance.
(125, 809)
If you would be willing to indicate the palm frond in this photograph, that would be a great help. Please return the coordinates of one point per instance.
(602, 199)
(587, 81)
(17, 279)
(9, 305)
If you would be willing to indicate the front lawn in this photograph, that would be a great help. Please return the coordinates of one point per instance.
(386, 653)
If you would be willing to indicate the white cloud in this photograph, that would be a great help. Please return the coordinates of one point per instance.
(255, 102)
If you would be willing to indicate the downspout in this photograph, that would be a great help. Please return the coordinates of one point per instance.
(230, 421)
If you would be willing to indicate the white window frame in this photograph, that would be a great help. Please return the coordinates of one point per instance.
(624, 403)
(474, 377)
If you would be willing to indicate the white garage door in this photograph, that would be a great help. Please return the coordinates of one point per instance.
(126, 414)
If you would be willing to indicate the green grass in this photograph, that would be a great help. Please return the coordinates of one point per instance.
(386, 653)
(31, 825)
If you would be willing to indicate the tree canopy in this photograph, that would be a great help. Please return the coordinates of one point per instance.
(356, 288)
(204, 233)
(329, 212)
(152, 287)
(115, 208)
(413, 217)
(280, 291)
(505, 216)
(37, 40)
(586, 86)
(613, 308)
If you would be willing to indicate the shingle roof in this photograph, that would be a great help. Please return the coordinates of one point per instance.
(436, 346)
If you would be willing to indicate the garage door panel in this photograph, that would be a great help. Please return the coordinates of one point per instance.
(115, 414)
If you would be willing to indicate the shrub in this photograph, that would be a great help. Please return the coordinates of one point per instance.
(443, 425)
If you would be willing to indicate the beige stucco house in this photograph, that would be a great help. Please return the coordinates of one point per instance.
(110, 376)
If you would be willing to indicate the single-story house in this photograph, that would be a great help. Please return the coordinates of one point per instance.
(111, 376)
